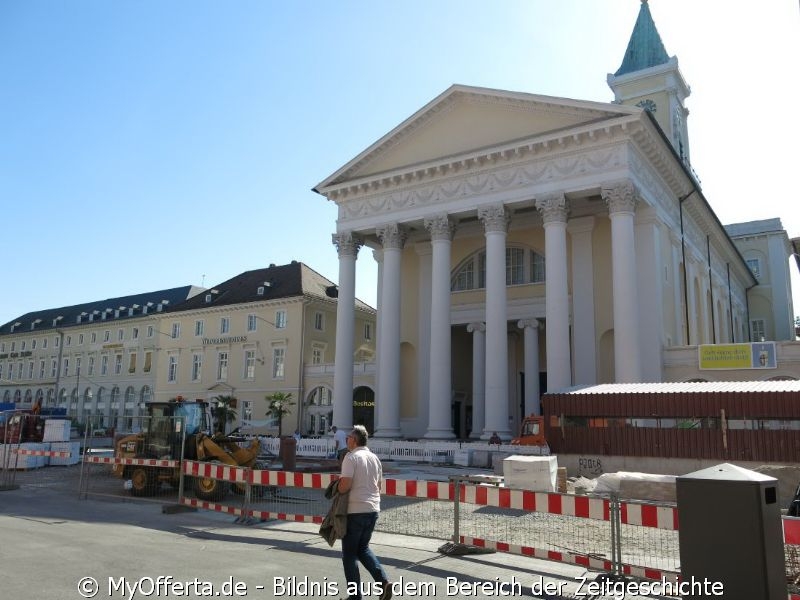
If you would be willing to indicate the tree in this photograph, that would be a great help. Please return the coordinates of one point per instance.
(280, 404)
(224, 412)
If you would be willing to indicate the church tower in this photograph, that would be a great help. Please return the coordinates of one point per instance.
(650, 79)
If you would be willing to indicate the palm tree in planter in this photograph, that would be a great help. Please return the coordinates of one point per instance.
(280, 404)
(224, 412)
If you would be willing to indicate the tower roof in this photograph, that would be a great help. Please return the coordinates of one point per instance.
(645, 48)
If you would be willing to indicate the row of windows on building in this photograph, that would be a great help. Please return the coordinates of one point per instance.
(11, 371)
(199, 331)
(95, 401)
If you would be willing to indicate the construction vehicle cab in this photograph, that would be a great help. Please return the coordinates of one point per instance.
(178, 430)
(531, 432)
(20, 427)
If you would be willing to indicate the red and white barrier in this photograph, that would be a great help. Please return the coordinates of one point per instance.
(141, 462)
(412, 488)
(223, 508)
(649, 515)
(290, 479)
(50, 453)
(216, 471)
(577, 559)
(636, 514)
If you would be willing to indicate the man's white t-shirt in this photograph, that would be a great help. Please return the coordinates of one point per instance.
(340, 437)
(366, 471)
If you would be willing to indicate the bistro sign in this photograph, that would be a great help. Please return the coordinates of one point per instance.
(231, 339)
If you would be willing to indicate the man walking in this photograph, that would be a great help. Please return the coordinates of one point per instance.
(361, 477)
(340, 443)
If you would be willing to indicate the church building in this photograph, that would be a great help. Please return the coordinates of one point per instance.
(529, 243)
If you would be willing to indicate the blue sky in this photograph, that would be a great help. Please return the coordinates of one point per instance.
(147, 145)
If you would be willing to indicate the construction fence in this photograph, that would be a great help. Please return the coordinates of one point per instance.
(605, 533)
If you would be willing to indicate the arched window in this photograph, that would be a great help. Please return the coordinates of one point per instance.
(7, 396)
(17, 397)
(320, 396)
(28, 396)
(146, 394)
(523, 265)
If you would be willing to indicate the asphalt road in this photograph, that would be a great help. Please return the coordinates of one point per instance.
(51, 543)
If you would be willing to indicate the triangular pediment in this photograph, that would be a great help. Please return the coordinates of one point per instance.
(465, 120)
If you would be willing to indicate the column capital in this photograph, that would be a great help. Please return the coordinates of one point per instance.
(347, 243)
(495, 218)
(525, 323)
(378, 256)
(440, 227)
(477, 326)
(553, 207)
(621, 197)
(392, 236)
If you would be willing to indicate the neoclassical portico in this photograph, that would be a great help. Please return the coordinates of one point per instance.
(490, 335)
(508, 257)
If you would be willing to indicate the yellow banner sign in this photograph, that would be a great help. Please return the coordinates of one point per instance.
(738, 356)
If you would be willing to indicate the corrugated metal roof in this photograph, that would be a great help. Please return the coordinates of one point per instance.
(708, 387)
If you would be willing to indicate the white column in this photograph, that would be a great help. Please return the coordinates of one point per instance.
(424, 255)
(378, 256)
(347, 245)
(440, 388)
(393, 238)
(677, 285)
(651, 292)
(553, 208)
(478, 379)
(531, 328)
(621, 200)
(694, 337)
(495, 221)
(583, 327)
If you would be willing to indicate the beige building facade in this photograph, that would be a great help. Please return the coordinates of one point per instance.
(95, 359)
(262, 332)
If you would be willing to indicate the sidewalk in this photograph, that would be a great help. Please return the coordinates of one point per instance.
(51, 541)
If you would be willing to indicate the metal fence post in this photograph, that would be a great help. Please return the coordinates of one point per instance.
(456, 509)
(181, 486)
(616, 535)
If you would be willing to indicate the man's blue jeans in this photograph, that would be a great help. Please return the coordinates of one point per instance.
(355, 548)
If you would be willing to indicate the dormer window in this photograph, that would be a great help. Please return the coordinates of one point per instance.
(260, 290)
(208, 298)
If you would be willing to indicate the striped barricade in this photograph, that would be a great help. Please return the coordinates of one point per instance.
(219, 471)
(140, 462)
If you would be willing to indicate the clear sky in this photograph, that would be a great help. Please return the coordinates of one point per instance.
(148, 144)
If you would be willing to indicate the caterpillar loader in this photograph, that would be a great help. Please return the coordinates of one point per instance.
(161, 439)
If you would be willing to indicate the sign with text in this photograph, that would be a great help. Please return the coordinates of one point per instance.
(758, 355)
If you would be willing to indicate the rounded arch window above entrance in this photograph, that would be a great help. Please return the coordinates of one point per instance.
(523, 265)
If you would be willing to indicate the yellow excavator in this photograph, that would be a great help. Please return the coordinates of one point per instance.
(162, 439)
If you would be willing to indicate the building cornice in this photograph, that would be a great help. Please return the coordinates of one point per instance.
(514, 154)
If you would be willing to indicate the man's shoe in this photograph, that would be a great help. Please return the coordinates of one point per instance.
(387, 591)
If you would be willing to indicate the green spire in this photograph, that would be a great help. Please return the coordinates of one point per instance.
(645, 48)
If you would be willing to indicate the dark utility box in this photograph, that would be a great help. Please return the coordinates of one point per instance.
(730, 532)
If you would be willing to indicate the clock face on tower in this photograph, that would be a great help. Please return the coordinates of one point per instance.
(647, 104)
